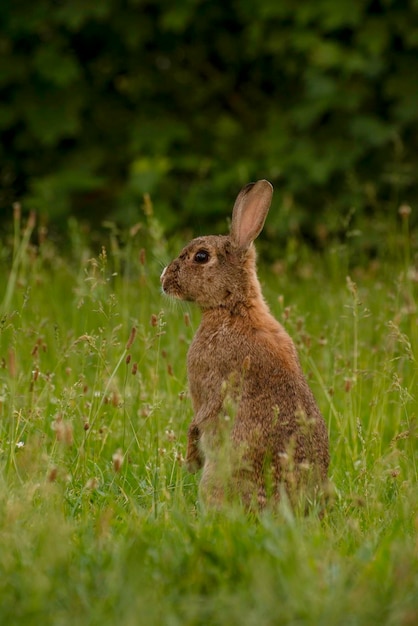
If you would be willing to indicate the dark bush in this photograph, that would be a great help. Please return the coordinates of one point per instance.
(102, 102)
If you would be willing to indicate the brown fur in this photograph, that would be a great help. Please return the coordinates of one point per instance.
(257, 429)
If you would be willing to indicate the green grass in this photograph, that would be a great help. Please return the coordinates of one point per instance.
(99, 520)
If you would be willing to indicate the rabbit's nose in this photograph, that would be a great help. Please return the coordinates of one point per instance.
(162, 274)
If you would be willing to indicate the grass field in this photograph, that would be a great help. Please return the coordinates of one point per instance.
(99, 520)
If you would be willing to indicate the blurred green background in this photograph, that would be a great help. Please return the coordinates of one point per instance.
(103, 102)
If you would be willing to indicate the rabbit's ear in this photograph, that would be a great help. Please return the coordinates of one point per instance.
(250, 211)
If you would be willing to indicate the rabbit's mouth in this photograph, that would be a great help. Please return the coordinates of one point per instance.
(165, 281)
(169, 284)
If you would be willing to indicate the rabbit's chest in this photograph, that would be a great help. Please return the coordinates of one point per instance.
(211, 360)
(203, 359)
(214, 351)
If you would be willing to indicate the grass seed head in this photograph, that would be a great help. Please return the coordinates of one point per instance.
(131, 338)
(404, 211)
(52, 474)
(17, 211)
(171, 435)
(63, 430)
(117, 459)
(92, 484)
(12, 363)
(348, 384)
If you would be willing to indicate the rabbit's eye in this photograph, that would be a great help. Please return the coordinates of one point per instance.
(201, 256)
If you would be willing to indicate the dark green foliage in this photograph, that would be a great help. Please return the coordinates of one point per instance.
(103, 102)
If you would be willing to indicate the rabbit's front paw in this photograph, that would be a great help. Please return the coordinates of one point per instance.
(194, 460)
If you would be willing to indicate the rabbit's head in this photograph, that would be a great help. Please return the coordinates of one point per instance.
(219, 271)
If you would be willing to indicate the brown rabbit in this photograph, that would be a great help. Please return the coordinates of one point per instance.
(257, 429)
